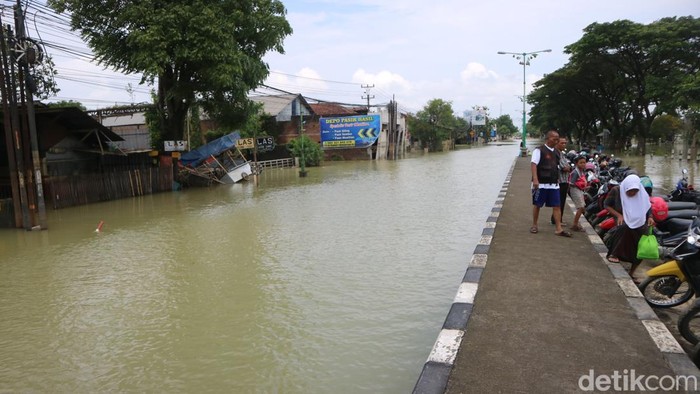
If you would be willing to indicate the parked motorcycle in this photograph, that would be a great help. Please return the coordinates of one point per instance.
(689, 323)
(676, 281)
(684, 191)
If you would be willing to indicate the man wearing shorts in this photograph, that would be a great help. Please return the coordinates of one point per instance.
(545, 182)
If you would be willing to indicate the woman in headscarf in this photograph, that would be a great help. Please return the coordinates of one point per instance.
(632, 222)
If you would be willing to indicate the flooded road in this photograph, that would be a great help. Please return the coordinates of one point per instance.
(338, 282)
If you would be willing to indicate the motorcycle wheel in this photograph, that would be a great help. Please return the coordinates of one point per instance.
(689, 325)
(665, 291)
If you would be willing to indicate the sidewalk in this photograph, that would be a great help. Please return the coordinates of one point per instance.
(536, 312)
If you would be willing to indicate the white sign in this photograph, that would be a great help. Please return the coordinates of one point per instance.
(479, 117)
(175, 146)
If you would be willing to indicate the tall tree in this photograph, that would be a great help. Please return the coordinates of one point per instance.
(621, 76)
(433, 124)
(505, 126)
(199, 51)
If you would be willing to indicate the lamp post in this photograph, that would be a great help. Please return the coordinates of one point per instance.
(524, 58)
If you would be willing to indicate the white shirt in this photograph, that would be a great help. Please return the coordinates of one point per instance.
(536, 160)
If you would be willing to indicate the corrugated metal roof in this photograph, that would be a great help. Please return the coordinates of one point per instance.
(273, 105)
(124, 120)
(76, 121)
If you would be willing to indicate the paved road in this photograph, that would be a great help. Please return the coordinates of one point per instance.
(546, 311)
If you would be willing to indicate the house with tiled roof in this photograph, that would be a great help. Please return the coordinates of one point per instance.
(334, 109)
(291, 113)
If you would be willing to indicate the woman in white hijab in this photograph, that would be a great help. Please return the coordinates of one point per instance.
(632, 222)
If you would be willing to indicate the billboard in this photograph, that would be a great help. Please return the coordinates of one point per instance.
(478, 117)
(358, 131)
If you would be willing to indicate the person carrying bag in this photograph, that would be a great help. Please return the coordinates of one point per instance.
(648, 247)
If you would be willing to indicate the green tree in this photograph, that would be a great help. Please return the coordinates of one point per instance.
(200, 52)
(665, 127)
(433, 124)
(254, 123)
(310, 148)
(155, 130)
(461, 131)
(67, 103)
(620, 77)
(43, 76)
(505, 126)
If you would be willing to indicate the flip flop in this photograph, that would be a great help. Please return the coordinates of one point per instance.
(564, 233)
(613, 259)
(577, 228)
(533, 230)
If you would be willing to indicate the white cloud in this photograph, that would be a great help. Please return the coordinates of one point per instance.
(477, 71)
(421, 50)
(385, 80)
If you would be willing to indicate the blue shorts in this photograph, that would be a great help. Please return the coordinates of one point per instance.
(548, 197)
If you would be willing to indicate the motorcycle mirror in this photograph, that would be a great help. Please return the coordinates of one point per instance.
(684, 171)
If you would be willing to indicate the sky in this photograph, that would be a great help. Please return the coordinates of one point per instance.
(412, 50)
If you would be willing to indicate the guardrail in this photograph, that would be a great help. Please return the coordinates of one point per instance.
(278, 163)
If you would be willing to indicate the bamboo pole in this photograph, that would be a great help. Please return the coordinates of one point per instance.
(131, 183)
(140, 181)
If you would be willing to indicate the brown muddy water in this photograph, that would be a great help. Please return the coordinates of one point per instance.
(338, 282)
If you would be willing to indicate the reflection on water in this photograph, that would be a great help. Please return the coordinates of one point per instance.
(338, 282)
(663, 170)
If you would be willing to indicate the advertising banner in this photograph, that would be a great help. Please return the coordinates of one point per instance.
(350, 131)
(479, 117)
(175, 146)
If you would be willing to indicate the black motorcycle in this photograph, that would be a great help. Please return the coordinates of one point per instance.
(689, 263)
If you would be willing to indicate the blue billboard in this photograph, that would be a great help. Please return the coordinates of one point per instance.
(350, 131)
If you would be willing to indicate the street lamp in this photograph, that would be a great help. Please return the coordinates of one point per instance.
(524, 58)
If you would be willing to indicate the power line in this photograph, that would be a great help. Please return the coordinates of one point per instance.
(60, 41)
(313, 79)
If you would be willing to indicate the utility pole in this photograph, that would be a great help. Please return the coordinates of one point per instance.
(17, 145)
(302, 164)
(28, 57)
(18, 192)
(367, 96)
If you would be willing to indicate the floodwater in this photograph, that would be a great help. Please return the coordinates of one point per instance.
(663, 170)
(338, 282)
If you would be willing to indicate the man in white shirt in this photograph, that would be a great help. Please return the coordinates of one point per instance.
(544, 166)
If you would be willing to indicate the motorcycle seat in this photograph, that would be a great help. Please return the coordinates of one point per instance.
(678, 205)
(682, 214)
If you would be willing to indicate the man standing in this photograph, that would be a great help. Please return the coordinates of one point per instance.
(564, 171)
(545, 182)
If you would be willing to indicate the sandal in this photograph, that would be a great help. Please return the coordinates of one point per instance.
(564, 233)
(613, 259)
(533, 230)
(577, 227)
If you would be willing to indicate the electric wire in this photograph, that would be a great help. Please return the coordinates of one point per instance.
(56, 36)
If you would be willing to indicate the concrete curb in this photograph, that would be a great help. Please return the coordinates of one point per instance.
(677, 359)
(436, 371)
